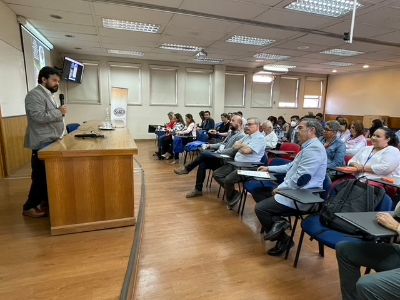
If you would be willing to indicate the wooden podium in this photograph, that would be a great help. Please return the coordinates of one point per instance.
(90, 182)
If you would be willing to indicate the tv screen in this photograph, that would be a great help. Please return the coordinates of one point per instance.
(72, 70)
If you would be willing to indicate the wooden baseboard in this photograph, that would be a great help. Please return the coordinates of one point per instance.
(75, 228)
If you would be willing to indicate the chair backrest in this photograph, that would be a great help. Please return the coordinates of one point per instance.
(72, 127)
(346, 159)
(290, 147)
(386, 204)
(264, 159)
(202, 136)
(278, 161)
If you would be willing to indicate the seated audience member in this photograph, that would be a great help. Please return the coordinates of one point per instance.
(282, 128)
(398, 135)
(244, 121)
(310, 161)
(292, 135)
(189, 131)
(171, 122)
(166, 143)
(201, 115)
(384, 258)
(357, 139)
(221, 130)
(376, 123)
(320, 118)
(208, 161)
(344, 132)
(273, 120)
(335, 148)
(380, 159)
(271, 139)
(249, 149)
(208, 123)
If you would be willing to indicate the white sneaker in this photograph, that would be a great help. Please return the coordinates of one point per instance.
(166, 155)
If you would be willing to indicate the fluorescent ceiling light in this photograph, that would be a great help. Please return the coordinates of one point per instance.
(125, 52)
(330, 8)
(334, 71)
(175, 47)
(248, 40)
(341, 52)
(209, 60)
(132, 26)
(365, 66)
(28, 26)
(278, 68)
(338, 64)
(263, 77)
(267, 56)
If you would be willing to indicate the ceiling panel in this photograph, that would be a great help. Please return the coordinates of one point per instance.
(231, 8)
(64, 27)
(77, 6)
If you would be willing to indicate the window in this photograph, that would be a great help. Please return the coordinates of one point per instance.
(198, 87)
(163, 85)
(234, 89)
(313, 92)
(127, 76)
(87, 92)
(288, 92)
(261, 94)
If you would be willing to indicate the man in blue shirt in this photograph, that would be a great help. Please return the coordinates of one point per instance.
(250, 149)
(310, 161)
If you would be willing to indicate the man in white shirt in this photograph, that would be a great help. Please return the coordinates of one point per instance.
(311, 161)
(250, 149)
(271, 139)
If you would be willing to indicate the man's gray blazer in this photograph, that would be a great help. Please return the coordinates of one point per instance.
(45, 120)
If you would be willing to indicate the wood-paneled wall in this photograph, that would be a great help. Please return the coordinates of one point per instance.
(14, 155)
(393, 122)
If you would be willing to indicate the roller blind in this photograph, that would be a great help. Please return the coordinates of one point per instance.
(128, 77)
(163, 86)
(88, 90)
(313, 92)
(234, 89)
(261, 94)
(288, 91)
(198, 87)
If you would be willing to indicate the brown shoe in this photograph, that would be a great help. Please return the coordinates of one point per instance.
(194, 193)
(181, 171)
(34, 213)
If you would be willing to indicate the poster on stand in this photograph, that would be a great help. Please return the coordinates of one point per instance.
(119, 105)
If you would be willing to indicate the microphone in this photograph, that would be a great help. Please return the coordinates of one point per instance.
(61, 97)
(62, 102)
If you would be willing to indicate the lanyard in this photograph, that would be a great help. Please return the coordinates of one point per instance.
(330, 144)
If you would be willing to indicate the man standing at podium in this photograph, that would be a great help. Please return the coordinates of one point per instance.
(45, 125)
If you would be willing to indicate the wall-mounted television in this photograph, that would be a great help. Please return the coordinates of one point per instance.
(72, 70)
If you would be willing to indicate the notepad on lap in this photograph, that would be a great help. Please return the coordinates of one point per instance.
(254, 173)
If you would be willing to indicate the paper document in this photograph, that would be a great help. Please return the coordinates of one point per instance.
(254, 173)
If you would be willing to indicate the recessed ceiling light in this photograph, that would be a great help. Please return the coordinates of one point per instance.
(365, 66)
(131, 26)
(338, 64)
(56, 17)
(334, 71)
(176, 47)
(303, 47)
(331, 8)
(278, 68)
(209, 60)
(248, 40)
(268, 56)
(125, 52)
(341, 52)
(69, 36)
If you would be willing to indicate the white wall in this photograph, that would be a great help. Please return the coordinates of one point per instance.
(12, 73)
(364, 93)
(140, 116)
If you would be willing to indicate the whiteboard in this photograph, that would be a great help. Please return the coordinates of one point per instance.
(12, 81)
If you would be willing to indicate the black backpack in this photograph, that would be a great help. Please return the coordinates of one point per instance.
(352, 196)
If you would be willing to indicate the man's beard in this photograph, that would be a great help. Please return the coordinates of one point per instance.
(233, 128)
(53, 89)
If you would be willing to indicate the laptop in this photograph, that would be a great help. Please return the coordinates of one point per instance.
(366, 221)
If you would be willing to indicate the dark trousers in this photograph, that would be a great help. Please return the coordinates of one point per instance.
(38, 192)
(165, 143)
(383, 258)
(204, 161)
(268, 211)
(227, 176)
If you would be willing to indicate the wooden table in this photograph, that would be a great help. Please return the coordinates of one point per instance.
(90, 181)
